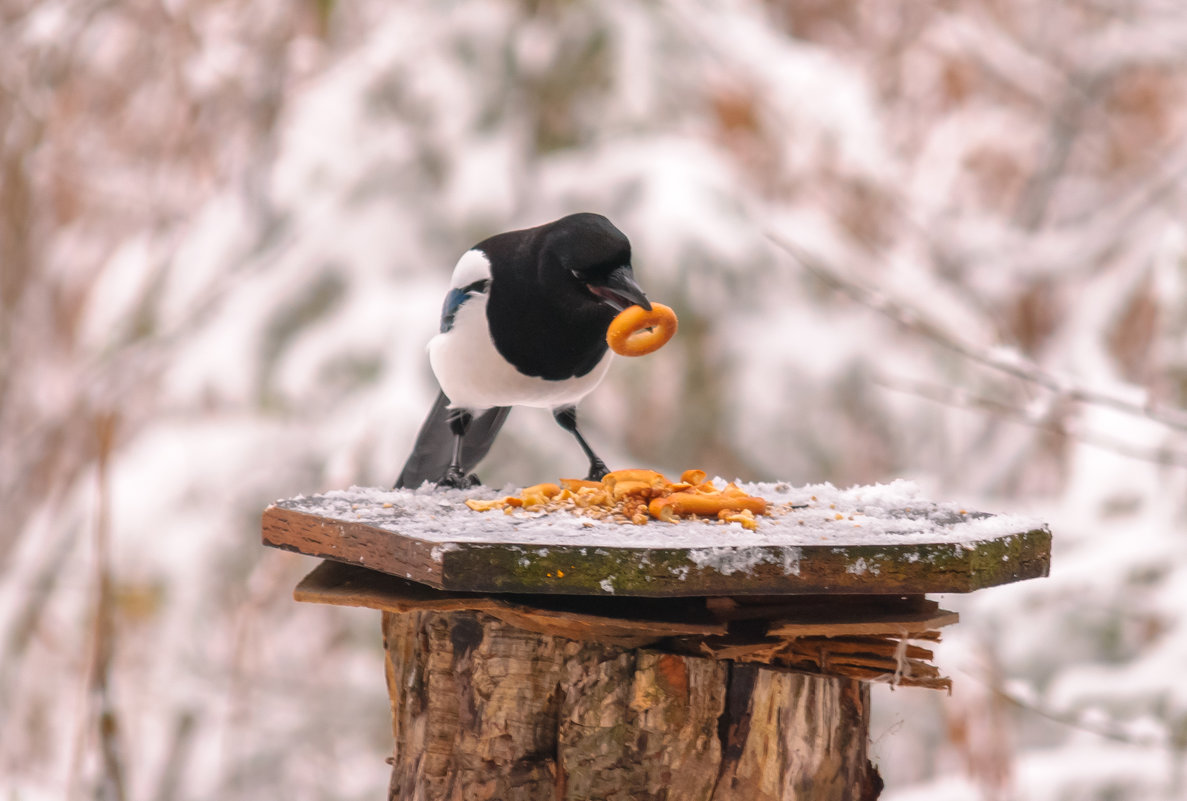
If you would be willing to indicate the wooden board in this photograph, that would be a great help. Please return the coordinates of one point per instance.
(625, 622)
(851, 636)
(779, 560)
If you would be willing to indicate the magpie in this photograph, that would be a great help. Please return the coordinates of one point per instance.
(523, 324)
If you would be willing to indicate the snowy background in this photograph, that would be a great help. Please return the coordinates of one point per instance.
(938, 241)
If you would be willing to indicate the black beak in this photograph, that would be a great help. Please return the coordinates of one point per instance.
(620, 290)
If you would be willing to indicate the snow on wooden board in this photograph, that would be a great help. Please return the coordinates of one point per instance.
(881, 539)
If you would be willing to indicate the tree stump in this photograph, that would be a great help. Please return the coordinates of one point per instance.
(534, 659)
(485, 710)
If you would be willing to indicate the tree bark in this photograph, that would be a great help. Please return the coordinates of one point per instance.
(484, 710)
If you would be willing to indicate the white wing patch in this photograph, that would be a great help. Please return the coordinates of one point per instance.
(472, 266)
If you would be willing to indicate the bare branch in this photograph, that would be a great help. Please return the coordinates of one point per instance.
(962, 399)
(1108, 729)
(1007, 361)
(99, 709)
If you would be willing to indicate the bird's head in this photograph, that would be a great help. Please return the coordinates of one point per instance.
(594, 260)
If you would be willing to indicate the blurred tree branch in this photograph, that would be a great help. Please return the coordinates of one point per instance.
(100, 720)
(1006, 361)
(1044, 417)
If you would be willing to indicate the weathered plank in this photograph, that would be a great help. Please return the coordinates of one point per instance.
(858, 633)
(890, 622)
(625, 622)
(653, 560)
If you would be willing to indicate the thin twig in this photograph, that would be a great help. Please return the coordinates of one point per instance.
(98, 708)
(168, 784)
(45, 573)
(1008, 362)
(962, 399)
(1110, 730)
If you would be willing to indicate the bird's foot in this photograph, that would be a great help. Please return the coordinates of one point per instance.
(597, 470)
(454, 478)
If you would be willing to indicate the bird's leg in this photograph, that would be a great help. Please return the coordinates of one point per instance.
(459, 423)
(566, 416)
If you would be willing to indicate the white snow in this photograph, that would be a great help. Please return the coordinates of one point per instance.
(233, 226)
(880, 514)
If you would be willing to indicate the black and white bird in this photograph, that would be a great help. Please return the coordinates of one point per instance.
(524, 324)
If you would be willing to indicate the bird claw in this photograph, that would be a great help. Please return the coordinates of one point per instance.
(597, 470)
(454, 478)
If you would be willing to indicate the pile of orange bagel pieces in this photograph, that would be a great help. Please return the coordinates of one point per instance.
(636, 496)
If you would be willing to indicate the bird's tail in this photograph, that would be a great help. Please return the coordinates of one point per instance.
(434, 444)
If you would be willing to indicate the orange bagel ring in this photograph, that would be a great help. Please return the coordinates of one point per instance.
(637, 332)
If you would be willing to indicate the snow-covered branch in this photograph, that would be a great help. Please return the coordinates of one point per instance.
(1045, 417)
(1006, 360)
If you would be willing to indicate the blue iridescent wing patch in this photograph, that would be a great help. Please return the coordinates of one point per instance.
(455, 299)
